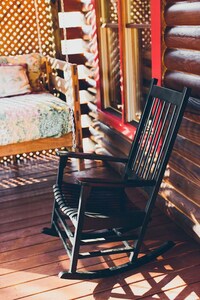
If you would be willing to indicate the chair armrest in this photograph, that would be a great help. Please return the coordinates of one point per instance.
(106, 182)
(91, 156)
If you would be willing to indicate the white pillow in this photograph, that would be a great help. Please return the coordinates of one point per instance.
(14, 80)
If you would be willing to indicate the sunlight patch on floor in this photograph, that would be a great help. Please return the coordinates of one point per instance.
(19, 181)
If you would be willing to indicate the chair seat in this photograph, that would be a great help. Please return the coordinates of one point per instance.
(102, 207)
(101, 171)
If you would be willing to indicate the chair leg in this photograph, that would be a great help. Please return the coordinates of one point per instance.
(51, 231)
(61, 167)
(75, 253)
(84, 193)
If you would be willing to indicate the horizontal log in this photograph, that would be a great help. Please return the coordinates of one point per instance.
(74, 33)
(74, 5)
(193, 106)
(190, 209)
(177, 80)
(108, 146)
(78, 59)
(185, 167)
(182, 60)
(184, 186)
(190, 130)
(183, 37)
(187, 149)
(182, 13)
(115, 139)
(192, 116)
(146, 72)
(179, 218)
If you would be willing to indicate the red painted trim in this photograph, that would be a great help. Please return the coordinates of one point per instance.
(115, 122)
(121, 41)
(156, 39)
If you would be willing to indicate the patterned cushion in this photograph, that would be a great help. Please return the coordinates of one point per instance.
(30, 117)
(33, 61)
(13, 80)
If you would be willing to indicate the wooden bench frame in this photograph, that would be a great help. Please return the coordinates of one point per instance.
(55, 83)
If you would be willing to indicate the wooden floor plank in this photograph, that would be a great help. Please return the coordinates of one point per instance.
(32, 185)
(54, 252)
(161, 267)
(23, 223)
(24, 199)
(120, 288)
(24, 242)
(27, 251)
(27, 231)
(186, 292)
(30, 260)
(29, 209)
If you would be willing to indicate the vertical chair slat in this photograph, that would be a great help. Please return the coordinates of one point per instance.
(148, 163)
(166, 138)
(158, 141)
(146, 139)
(151, 136)
(140, 151)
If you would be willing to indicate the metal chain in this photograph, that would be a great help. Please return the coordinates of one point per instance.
(64, 29)
(73, 129)
(70, 102)
(38, 27)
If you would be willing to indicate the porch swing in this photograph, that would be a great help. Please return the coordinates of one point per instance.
(40, 119)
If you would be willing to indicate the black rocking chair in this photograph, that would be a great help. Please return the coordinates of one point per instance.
(102, 214)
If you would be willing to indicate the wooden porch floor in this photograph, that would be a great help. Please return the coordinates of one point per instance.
(30, 260)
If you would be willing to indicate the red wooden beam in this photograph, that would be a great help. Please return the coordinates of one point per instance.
(156, 39)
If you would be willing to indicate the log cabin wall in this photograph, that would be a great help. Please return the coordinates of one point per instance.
(179, 194)
(181, 67)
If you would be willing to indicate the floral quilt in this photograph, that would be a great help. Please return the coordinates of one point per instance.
(34, 116)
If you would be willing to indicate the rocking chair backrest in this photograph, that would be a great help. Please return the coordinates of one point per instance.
(156, 133)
